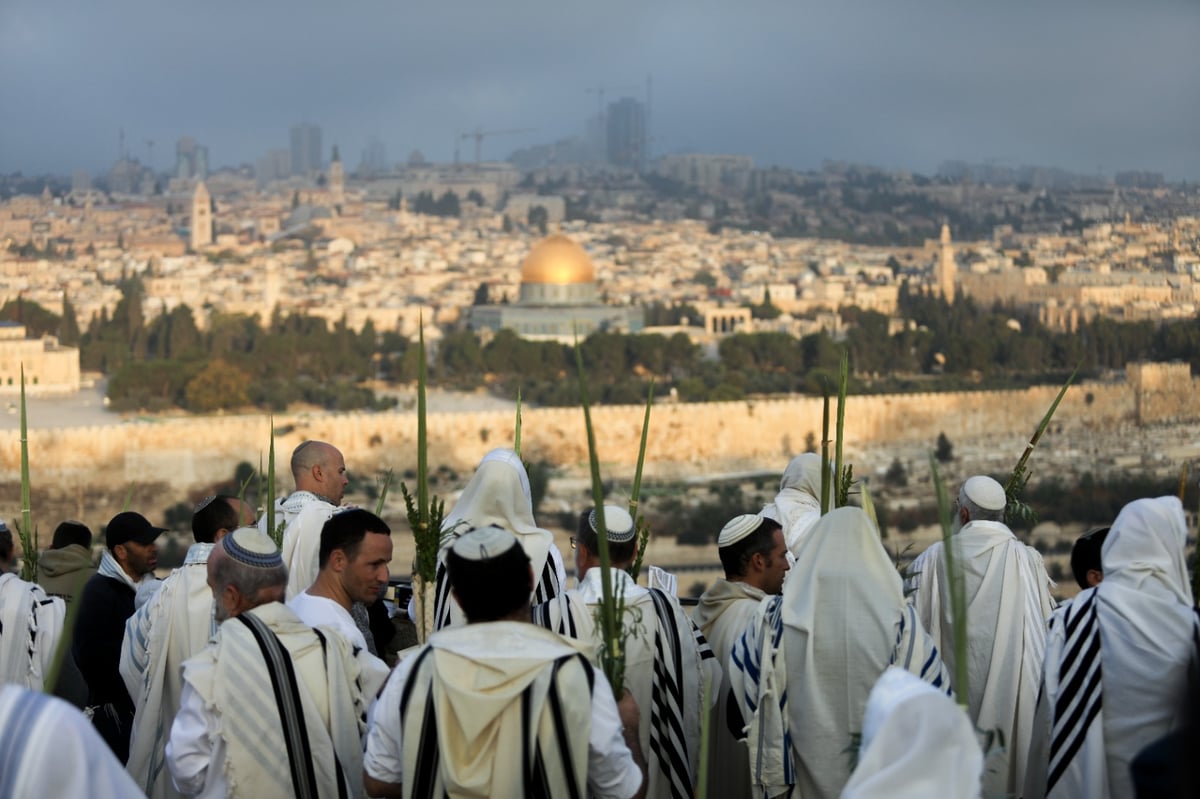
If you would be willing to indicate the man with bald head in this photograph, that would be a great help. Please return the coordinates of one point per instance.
(319, 470)
(1008, 603)
(271, 707)
(172, 627)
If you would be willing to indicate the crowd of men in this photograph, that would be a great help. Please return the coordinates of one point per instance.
(817, 668)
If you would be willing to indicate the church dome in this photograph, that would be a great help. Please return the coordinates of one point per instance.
(558, 260)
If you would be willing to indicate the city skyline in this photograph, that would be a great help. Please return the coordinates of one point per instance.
(1084, 86)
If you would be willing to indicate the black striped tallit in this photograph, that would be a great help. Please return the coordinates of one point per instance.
(426, 780)
(287, 700)
(1079, 687)
(547, 588)
(668, 745)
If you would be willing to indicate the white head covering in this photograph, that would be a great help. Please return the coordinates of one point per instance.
(916, 743)
(984, 492)
(797, 506)
(1144, 550)
(498, 494)
(738, 528)
(483, 543)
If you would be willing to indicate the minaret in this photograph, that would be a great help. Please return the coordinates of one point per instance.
(946, 269)
(337, 178)
(202, 222)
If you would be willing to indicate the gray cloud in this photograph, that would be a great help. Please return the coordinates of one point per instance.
(903, 83)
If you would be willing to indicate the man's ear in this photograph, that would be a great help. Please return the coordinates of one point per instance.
(963, 516)
(758, 562)
(338, 560)
(120, 552)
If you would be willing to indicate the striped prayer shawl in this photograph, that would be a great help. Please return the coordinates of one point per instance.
(663, 671)
(30, 628)
(1079, 699)
(554, 727)
(547, 588)
(759, 680)
(291, 714)
(289, 705)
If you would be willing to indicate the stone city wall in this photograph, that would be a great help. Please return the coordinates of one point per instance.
(685, 439)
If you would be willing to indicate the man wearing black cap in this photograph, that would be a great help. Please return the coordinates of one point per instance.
(107, 601)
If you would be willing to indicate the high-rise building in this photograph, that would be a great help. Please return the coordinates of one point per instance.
(191, 159)
(306, 149)
(275, 165)
(626, 134)
(374, 159)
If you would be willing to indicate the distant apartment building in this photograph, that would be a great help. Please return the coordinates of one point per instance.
(306, 149)
(191, 159)
(275, 165)
(708, 172)
(626, 133)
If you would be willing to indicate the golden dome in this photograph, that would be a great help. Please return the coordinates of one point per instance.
(557, 259)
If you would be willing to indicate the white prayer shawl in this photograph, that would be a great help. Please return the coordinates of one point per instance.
(174, 626)
(499, 493)
(1118, 658)
(802, 672)
(724, 613)
(494, 710)
(31, 624)
(797, 506)
(324, 716)
(916, 744)
(667, 660)
(1008, 604)
(303, 514)
(50, 749)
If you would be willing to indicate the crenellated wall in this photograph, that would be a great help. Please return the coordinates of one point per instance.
(684, 439)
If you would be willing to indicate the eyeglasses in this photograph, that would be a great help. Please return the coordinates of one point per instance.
(572, 542)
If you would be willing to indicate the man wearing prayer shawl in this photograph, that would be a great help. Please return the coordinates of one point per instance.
(754, 556)
(499, 707)
(916, 744)
(1008, 603)
(50, 749)
(797, 506)
(271, 707)
(319, 470)
(802, 672)
(667, 659)
(105, 605)
(31, 625)
(172, 627)
(1118, 660)
(499, 494)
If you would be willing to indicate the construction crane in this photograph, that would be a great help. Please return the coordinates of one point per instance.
(479, 135)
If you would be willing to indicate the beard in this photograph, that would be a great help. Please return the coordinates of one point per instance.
(220, 614)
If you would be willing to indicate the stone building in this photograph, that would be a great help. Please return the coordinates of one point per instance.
(50, 368)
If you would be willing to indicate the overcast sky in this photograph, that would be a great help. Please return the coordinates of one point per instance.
(1083, 84)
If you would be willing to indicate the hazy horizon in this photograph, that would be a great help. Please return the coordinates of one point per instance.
(1085, 85)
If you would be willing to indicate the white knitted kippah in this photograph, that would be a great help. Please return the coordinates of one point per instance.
(985, 492)
(252, 547)
(738, 528)
(484, 543)
(617, 522)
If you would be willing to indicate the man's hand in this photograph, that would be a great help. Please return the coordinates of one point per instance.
(627, 709)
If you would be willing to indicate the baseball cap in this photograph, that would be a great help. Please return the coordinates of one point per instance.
(131, 526)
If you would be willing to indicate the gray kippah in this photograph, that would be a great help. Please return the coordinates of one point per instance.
(484, 543)
(252, 547)
(618, 523)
